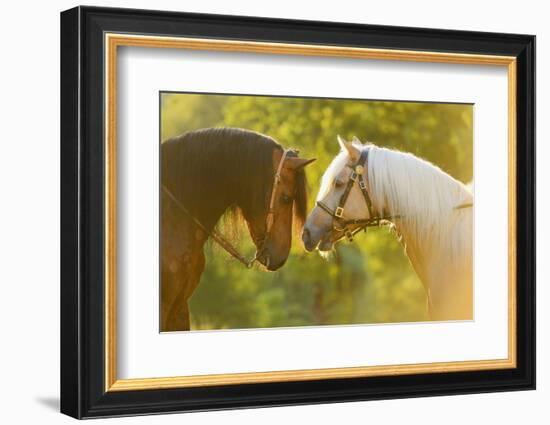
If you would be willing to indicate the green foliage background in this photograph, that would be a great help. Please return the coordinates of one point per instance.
(369, 281)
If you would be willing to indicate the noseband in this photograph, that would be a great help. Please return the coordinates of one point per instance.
(220, 239)
(339, 223)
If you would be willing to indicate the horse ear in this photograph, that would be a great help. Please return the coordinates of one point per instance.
(297, 163)
(342, 142)
(352, 150)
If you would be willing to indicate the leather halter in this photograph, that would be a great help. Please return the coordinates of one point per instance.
(269, 219)
(218, 237)
(358, 175)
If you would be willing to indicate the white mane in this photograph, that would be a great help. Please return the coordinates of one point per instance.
(419, 192)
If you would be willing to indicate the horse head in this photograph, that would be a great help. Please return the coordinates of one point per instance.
(285, 202)
(341, 205)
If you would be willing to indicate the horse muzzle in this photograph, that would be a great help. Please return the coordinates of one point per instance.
(317, 239)
(310, 242)
(270, 262)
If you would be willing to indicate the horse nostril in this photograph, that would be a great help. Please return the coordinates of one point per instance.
(306, 236)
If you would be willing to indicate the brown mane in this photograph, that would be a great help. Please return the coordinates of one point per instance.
(219, 172)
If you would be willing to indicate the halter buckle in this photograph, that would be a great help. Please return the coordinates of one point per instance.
(339, 213)
(362, 185)
(353, 176)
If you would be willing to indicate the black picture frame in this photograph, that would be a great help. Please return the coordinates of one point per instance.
(83, 392)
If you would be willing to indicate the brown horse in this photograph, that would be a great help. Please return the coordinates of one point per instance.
(206, 174)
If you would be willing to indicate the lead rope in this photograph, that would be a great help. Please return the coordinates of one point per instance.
(214, 234)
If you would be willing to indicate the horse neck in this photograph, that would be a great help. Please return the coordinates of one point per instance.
(419, 257)
(210, 213)
(217, 202)
(212, 170)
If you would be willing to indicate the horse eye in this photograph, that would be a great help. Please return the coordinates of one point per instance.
(338, 183)
(286, 199)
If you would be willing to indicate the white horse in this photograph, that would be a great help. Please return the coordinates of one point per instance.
(431, 211)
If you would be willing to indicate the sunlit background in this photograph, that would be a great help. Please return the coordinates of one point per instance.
(367, 281)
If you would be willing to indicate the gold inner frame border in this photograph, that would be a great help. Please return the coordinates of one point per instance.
(112, 41)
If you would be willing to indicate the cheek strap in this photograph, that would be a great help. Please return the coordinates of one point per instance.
(271, 210)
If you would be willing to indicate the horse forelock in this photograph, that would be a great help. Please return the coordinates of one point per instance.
(331, 173)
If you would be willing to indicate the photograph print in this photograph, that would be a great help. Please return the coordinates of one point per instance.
(294, 211)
